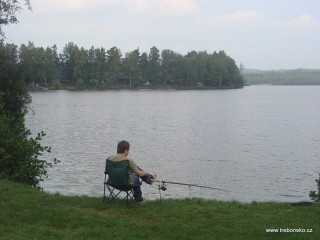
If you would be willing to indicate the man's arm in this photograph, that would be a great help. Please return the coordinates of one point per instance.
(136, 169)
(148, 178)
(140, 173)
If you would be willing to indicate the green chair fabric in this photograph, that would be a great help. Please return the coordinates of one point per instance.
(117, 181)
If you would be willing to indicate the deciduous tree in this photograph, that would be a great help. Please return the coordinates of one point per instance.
(8, 10)
(19, 153)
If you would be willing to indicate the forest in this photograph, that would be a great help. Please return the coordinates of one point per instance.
(283, 77)
(97, 68)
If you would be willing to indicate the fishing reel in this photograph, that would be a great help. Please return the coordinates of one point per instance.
(162, 187)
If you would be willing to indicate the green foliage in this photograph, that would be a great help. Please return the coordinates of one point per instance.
(283, 77)
(8, 10)
(40, 65)
(113, 65)
(13, 94)
(130, 65)
(19, 153)
(56, 84)
(98, 68)
(80, 84)
(315, 196)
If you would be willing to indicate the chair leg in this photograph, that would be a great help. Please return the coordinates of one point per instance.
(104, 193)
(104, 187)
(113, 195)
(131, 196)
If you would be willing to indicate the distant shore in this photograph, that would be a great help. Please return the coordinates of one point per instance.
(74, 88)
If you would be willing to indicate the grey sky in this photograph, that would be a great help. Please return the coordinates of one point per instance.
(263, 34)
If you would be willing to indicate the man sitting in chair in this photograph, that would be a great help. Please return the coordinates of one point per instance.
(134, 171)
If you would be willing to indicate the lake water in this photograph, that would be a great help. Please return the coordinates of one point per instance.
(259, 143)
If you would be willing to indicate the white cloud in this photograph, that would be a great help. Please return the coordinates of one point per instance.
(304, 20)
(154, 7)
(163, 7)
(74, 29)
(235, 17)
(69, 5)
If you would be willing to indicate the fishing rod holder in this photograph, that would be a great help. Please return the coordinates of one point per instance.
(162, 187)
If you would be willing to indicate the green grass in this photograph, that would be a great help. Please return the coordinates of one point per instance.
(26, 213)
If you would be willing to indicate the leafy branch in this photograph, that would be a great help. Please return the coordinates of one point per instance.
(315, 196)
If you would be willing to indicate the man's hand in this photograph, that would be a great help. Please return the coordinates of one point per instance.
(148, 179)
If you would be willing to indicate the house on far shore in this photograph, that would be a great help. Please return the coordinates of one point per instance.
(125, 81)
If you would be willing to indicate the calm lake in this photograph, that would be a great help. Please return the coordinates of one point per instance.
(259, 143)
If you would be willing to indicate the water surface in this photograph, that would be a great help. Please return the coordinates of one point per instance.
(259, 143)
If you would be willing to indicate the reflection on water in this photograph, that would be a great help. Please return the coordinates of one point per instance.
(259, 143)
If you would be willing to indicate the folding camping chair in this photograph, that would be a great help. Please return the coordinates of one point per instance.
(117, 182)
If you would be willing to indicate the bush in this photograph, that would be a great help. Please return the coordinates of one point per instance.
(19, 153)
(81, 84)
(315, 196)
(56, 84)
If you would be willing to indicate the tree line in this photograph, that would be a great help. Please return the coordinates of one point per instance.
(101, 68)
(283, 77)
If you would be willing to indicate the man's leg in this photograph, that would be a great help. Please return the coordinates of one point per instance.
(137, 194)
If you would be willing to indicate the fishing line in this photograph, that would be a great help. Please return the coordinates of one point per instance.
(162, 187)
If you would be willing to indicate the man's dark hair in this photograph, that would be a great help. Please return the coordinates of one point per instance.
(122, 146)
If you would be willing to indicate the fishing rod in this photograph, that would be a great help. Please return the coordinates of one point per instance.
(185, 184)
(162, 185)
(150, 179)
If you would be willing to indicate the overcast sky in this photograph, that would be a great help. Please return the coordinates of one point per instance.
(261, 34)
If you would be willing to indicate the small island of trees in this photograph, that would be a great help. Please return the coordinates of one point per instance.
(283, 77)
(98, 68)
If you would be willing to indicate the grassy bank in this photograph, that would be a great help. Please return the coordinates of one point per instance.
(26, 213)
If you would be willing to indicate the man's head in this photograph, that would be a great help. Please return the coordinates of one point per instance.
(123, 147)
